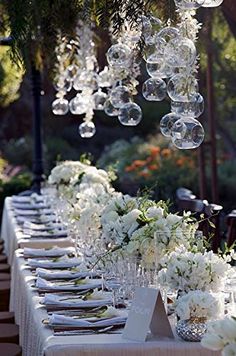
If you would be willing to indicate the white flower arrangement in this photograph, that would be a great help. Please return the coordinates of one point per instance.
(197, 304)
(66, 172)
(221, 336)
(185, 271)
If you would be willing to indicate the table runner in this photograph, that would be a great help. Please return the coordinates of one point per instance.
(13, 237)
(38, 340)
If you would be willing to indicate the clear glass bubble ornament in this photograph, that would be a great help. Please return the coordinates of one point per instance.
(189, 4)
(119, 96)
(79, 104)
(118, 55)
(130, 114)
(212, 3)
(67, 85)
(99, 99)
(157, 68)
(193, 108)
(87, 129)
(105, 78)
(167, 123)
(180, 52)
(71, 72)
(163, 37)
(109, 109)
(182, 87)
(154, 89)
(59, 83)
(60, 106)
(187, 133)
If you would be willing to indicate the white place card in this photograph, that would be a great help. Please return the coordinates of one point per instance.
(147, 313)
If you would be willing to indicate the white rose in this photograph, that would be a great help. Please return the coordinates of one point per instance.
(131, 217)
(228, 327)
(173, 219)
(154, 212)
(212, 342)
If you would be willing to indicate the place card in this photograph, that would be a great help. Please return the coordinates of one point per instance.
(147, 313)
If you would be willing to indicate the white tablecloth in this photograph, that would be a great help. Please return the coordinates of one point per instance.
(13, 237)
(37, 340)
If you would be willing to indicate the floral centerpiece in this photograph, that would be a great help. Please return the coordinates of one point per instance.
(66, 172)
(194, 310)
(145, 228)
(221, 336)
(185, 271)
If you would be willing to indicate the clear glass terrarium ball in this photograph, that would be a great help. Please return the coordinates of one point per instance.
(99, 100)
(157, 68)
(182, 87)
(79, 104)
(163, 37)
(212, 3)
(189, 4)
(180, 52)
(154, 89)
(167, 123)
(130, 114)
(119, 96)
(119, 55)
(194, 108)
(109, 109)
(87, 129)
(187, 133)
(60, 106)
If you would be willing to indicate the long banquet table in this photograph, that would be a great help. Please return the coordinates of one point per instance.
(14, 238)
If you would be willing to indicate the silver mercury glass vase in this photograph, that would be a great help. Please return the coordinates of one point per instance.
(192, 329)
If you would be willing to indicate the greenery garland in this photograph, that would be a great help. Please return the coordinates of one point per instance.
(35, 24)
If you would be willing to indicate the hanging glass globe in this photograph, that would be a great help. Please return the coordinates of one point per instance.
(182, 87)
(71, 72)
(130, 114)
(79, 104)
(193, 108)
(167, 123)
(67, 85)
(105, 78)
(180, 52)
(163, 37)
(119, 55)
(60, 106)
(109, 109)
(59, 83)
(154, 89)
(86, 79)
(99, 100)
(189, 4)
(212, 3)
(157, 68)
(187, 133)
(119, 96)
(87, 129)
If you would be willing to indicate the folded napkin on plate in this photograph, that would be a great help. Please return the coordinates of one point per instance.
(85, 284)
(42, 227)
(28, 206)
(62, 262)
(118, 318)
(56, 300)
(27, 199)
(81, 273)
(44, 234)
(52, 252)
(30, 212)
(37, 219)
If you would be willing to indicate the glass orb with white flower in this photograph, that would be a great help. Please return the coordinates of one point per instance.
(187, 133)
(189, 4)
(109, 109)
(87, 129)
(193, 108)
(180, 52)
(167, 123)
(99, 99)
(130, 114)
(60, 106)
(157, 68)
(118, 55)
(212, 3)
(182, 87)
(119, 96)
(154, 89)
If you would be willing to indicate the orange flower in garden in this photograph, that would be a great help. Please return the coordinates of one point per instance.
(153, 167)
(129, 168)
(165, 152)
(181, 161)
(155, 150)
(144, 174)
(139, 163)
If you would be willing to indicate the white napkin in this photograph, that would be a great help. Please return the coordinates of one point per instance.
(62, 262)
(28, 206)
(30, 212)
(36, 219)
(47, 274)
(53, 299)
(42, 227)
(27, 199)
(62, 320)
(44, 234)
(87, 284)
(55, 251)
